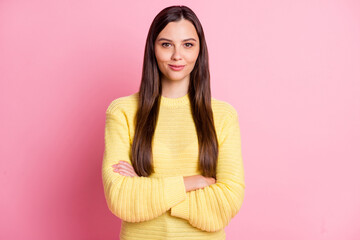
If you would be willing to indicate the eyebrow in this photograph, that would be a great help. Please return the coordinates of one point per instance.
(188, 39)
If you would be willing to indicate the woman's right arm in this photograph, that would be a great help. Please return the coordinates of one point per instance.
(133, 199)
(197, 181)
(191, 182)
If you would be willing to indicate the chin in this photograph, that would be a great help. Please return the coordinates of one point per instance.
(177, 78)
(174, 77)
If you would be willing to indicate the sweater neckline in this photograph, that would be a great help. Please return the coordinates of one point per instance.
(175, 102)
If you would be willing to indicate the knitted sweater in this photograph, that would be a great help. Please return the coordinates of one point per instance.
(158, 207)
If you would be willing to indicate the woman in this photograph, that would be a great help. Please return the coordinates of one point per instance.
(172, 166)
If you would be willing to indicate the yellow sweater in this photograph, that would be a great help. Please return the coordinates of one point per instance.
(158, 207)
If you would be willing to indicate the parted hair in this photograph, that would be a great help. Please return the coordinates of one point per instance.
(150, 97)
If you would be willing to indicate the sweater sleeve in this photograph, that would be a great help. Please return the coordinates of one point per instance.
(211, 208)
(133, 199)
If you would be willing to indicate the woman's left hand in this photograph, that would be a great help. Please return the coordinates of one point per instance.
(124, 168)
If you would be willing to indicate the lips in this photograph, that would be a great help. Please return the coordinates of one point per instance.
(176, 67)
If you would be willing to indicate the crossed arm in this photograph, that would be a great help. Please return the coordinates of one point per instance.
(204, 203)
(191, 182)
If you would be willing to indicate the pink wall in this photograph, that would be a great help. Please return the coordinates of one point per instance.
(290, 68)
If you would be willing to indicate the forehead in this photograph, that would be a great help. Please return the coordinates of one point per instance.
(179, 30)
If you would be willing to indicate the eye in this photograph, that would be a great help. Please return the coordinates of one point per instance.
(165, 44)
(189, 45)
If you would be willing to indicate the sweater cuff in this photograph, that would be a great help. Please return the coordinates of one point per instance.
(175, 191)
(181, 210)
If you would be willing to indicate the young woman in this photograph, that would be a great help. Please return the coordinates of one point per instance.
(172, 166)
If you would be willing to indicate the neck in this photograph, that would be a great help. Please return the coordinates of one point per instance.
(174, 88)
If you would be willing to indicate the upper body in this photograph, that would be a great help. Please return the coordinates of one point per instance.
(158, 206)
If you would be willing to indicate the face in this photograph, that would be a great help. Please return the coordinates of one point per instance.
(177, 45)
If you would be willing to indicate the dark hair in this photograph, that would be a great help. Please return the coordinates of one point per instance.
(150, 97)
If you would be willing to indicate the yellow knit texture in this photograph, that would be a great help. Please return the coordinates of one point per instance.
(158, 206)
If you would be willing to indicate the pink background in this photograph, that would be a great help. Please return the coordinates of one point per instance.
(290, 68)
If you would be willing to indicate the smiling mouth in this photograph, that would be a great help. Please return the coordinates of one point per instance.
(177, 66)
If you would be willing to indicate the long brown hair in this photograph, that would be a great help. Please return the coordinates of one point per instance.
(150, 97)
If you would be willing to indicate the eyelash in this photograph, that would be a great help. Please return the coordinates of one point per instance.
(169, 43)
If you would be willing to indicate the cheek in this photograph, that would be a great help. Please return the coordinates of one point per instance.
(161, 56)
(191, 58)
(161, 61)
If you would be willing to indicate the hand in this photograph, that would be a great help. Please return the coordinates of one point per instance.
(197, 181)
(124, 168)
(210, 180)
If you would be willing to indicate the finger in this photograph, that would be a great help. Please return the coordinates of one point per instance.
(127, 166)
(122, 167)
(118, 164)
(131, 171)
(121, 172)
(125, 172)
(122, 163)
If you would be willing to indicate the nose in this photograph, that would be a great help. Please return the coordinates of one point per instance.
(176, 54)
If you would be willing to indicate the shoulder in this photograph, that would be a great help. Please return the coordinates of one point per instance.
(225, 118)
(123, 104)
(222, 109)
